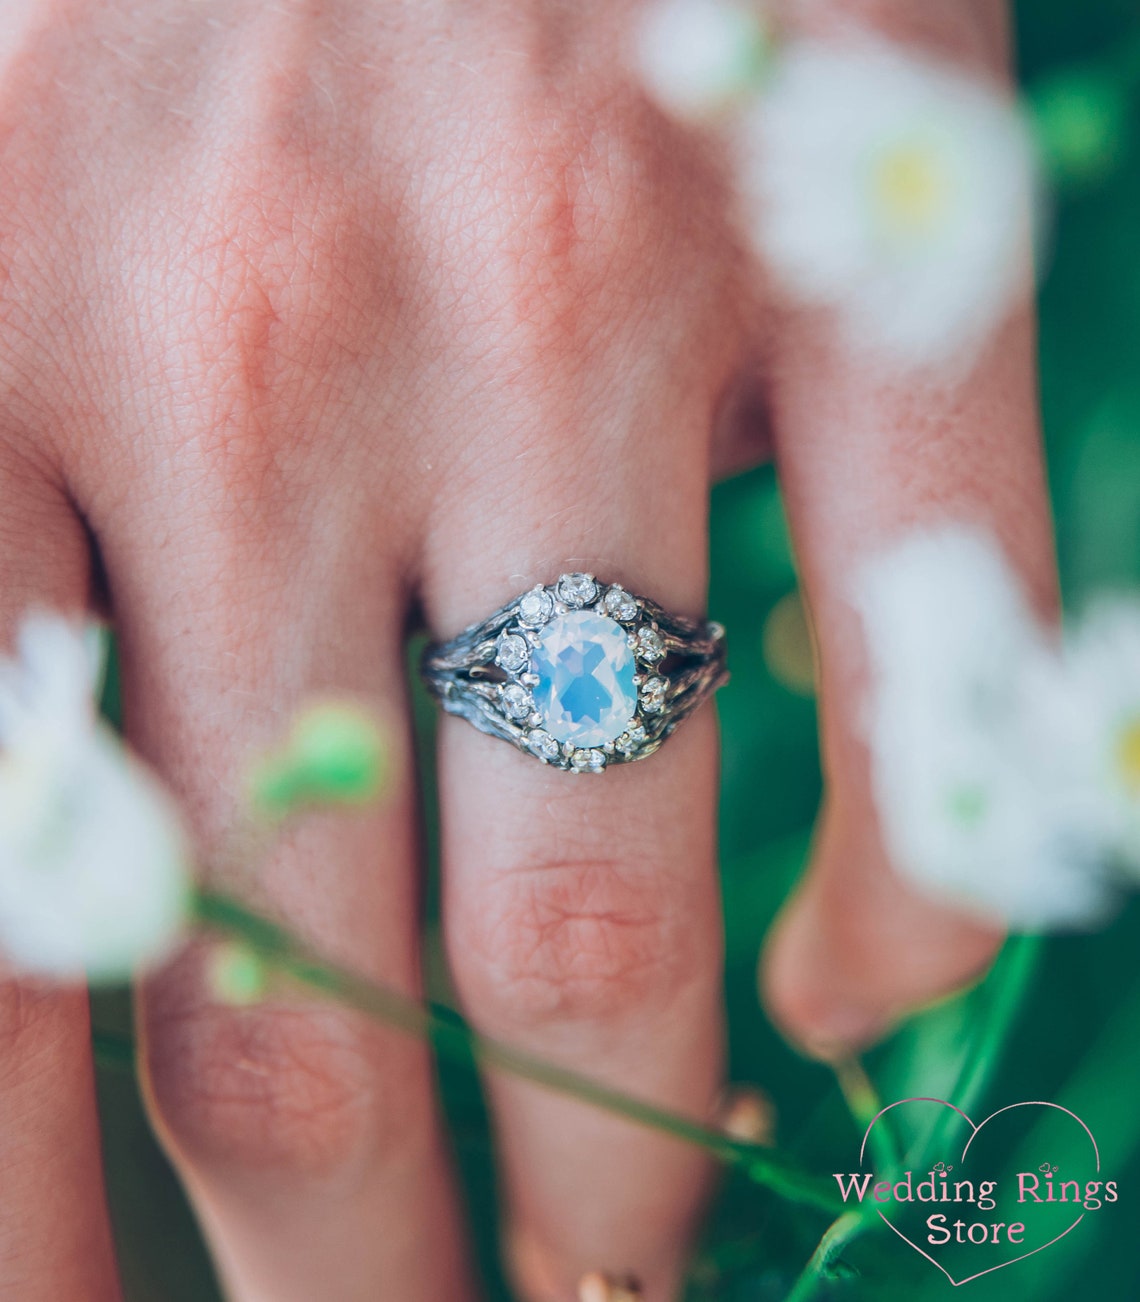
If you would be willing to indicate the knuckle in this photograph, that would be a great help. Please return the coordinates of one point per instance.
(297, 1089)
(546, 209)
(568, 208)
(273, 324)
(237, 316)
(575, 941)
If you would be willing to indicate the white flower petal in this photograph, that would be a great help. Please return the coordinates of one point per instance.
(893, 189)
(98, 884)
(696, 57)
(976, 790)
(1103, 665)
(94, 874)
(53, 679)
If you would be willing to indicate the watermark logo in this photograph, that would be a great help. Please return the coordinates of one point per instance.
(1010, 1186)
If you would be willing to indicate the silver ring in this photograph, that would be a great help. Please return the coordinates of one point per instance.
(578, 673)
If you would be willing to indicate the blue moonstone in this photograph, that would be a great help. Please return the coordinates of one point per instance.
(585, 669)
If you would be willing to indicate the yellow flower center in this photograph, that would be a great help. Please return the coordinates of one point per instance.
(1128, 756)
(911, 188)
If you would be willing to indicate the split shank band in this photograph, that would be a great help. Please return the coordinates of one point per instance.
(578, 673)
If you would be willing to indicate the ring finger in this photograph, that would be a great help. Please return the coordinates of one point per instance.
(582, 913)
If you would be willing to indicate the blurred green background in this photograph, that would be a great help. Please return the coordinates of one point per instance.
(1077, 1037)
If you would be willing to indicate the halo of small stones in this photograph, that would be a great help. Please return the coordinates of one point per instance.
(513, 647)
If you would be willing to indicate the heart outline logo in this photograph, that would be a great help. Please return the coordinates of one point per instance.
(974, 1132)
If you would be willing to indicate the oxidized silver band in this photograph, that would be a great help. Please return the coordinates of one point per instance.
(578, 673)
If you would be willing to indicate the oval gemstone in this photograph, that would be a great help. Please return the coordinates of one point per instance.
(585, 670)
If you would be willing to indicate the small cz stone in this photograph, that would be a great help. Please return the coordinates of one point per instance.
(516, 701)
(588, 761)
(577, 590)
(631, 740)
(544, 745)
(618, 604)
(512, 652)
(535, 607)
(653, 695)
(650, 644)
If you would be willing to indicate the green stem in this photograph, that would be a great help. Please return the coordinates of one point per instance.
(1008, 985)
(836, 1237)
(1018, 963)
(864, 1104)
(453, 1039)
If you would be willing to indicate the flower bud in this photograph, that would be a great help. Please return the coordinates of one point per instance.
(334, 754)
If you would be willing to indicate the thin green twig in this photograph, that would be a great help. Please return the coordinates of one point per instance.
(1016, 966)
(836, 1237)
(452, 1038)
(864, 1104)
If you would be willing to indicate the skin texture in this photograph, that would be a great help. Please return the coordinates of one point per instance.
(315, 315)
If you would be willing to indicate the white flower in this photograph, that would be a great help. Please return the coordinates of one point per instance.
(893, 189)
(1103, 675)
(981, 798)
(93, 862)
(698, 57)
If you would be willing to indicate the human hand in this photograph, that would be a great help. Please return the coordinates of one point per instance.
(311, 315)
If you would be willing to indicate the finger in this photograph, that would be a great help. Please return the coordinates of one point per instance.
(860, 462)
(582, 913)
(55, 1239)
(583, 923)
(308, 1137)
(741, 432)
(860, 459)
